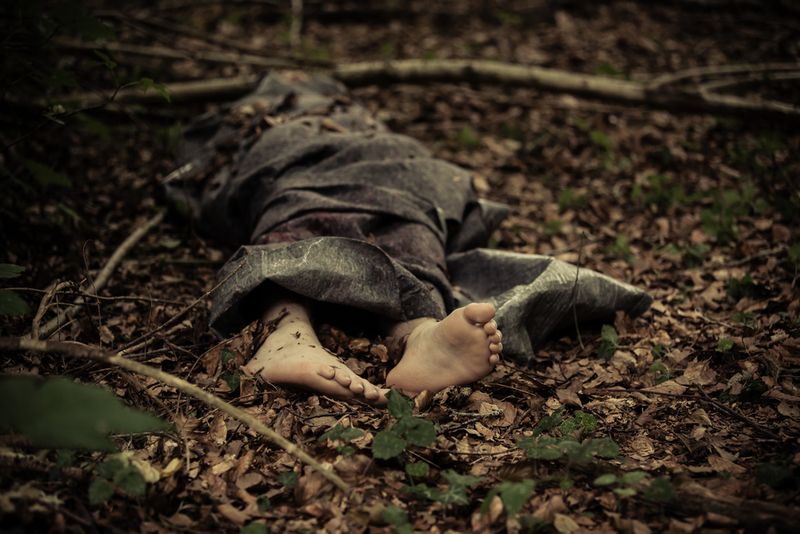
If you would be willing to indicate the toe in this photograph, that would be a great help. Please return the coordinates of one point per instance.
(494, 359)
(342, 377)
(371, 392)
(495, 338)
(479, 312)
(357, 387)
(496, 347)
(327, 371)
(490, 328)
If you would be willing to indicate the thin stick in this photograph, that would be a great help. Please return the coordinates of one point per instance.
(180, 314)
(296, 28)
(718, 70)
(105, 272)
(163, 52)
(78, 350)
(575, 292)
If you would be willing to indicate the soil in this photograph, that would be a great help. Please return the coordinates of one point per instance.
(700, 394)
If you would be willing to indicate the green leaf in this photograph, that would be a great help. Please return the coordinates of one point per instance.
(254, 527)
(100, 490)
(105, 59)
(609, 334)
(131, 481)
(418, 431)
(111, 466)
(725, 344)
(605, 480)
(264, 503)
(660, 490)
(541, 448)
(399, 405)
(45, 175)
(625, 492)
(455, 479)
(394, 515)
(12, 304)
(227, 355)
(233, 379)
(58, 413)
(633, 477)
(586, 422)
(419, 469)
(288, 479)
(548, 422)
(604, 448)
(342, 433)
(468, 138)
(9, 270)
(146, 84)
(387, 444)
(515, 494)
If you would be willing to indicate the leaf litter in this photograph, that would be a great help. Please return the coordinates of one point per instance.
(684, 419)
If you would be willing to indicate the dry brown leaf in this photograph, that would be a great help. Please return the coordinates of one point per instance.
(697, 373)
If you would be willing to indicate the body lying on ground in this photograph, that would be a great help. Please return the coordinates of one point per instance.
(333, 212)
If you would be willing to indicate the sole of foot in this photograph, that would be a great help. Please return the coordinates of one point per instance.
(461, 349)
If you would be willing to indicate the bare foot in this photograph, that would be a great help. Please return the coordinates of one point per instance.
(461, 349)
(292, 355)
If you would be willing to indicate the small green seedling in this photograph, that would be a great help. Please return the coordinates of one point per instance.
(407, 430)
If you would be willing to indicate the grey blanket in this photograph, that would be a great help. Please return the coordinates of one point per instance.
(328, 204)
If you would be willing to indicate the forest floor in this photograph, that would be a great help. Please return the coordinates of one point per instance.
(700, 394)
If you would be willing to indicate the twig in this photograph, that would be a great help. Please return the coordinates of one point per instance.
(710, 87)
(748, 259)
(175, 54)
(78, 350)
(137, 341)
(105, 272)
(296, 28)
(741, 417)
(718, 70)
(574, 294)
(44, 304)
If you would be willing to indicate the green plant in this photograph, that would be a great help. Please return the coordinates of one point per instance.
(694, 255)
(566, 448)
(343, 434)
(10, 302)
(407, 430)
(621, 248)
(398, 518)
(609, 341)
(568, 199)
(660, 490)
(254, 527)
(661, 371)
(468, 138)
(455, 493)
(625, 485)
(661, 192)
(60, 414)
(725, 345)
(739, 288)
(117, 472)
(514, 496)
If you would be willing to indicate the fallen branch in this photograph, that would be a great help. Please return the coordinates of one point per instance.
(77, 350)
(415, 71)
(104, 275)
(163, 52)
(629, 92)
